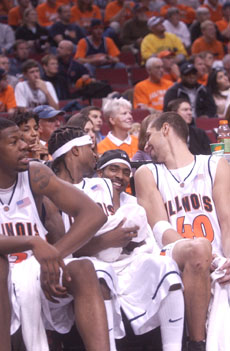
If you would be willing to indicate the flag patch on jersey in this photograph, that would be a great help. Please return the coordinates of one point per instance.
(24, 202)
(199, 177)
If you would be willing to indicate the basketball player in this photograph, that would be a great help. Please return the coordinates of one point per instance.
(22, 187)
(186, 196)
(73, 158)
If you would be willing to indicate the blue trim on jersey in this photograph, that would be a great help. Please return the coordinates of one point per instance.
(157, 176)
(102, 270)
(209, 169)
(109, 189)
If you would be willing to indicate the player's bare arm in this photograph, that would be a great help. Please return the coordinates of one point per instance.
(221, 198)
(150, 198)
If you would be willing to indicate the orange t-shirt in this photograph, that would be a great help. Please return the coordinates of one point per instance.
(47, 15)
(14, 16)
(106, 144)
(187, 13)
(81, 51)
(203, 80)
(84, 18)
(216, 47)
(215, 14)
(113, 7)
(7, 99)
(222, 24)
(151, 94)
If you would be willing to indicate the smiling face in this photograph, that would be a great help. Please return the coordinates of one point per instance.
(122, 119)
(13, 150)
(155, 144)
(119, 174)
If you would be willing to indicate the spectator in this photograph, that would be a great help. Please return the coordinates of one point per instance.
(50, 67)
(7, 38)
(199, 62)
(187, 13)
(149, 93)
(174, 25)
(47, 13)
(117, 113)
(171, 69)
(223, 24)
(20, 55)
(5, 65)
(218, 86)
(135, 29)
(118, 11)
(95, 115)
(34, 91)
(158, 40)
(49, 121)
(208, 41)
(36, 36)
(202, 14)
(5, 7)
(7, 98)
(198, 141)
(208, 60)
(15, 15)
(97, 51)
(84, 12)
(63, 29)
(215, 10)
(226, 64)
(201, 102)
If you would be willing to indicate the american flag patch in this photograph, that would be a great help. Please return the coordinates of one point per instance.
(24, 202)
(199, 177)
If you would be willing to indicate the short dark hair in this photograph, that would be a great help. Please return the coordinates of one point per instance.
(45, 60)
(174, 105)
(142, 139)
(29, 64)
(175, 121)
(86, 110)
(78, 120)
(20, 117)
(6, 123)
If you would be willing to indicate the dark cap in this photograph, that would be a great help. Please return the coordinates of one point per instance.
(153, 21)
(3, 73)
(187, 68)
(96, 23)
(113, 156)
(46, 112)
(226, 5)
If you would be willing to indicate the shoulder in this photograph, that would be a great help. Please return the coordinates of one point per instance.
(40, 176)
(143, 83)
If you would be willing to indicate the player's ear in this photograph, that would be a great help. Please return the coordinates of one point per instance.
(75, 150)
(165, 129)
(100, 173)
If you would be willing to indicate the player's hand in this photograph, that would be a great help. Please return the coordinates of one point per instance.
(120, 236)
(226, 278)
(51, 262)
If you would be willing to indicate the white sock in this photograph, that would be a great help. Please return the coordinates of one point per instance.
(171, 317)
(109, 312)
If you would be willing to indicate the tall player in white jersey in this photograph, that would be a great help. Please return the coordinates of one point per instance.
(187, 196)
(22, 187)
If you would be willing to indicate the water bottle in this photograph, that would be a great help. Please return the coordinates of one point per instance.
(224, 135)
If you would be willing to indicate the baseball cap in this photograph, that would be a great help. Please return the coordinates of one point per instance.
(95, 22)
(46, 111)
(187, 67)
(165, 53)
(113, 156)
(2, 73)
(140, 7)
(153, 21)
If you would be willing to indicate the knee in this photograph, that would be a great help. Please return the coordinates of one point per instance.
(81, 269)
(199, 255)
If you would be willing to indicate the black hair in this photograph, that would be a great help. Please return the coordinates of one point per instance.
(59, 138)
(20, 117)
(78, 120)
(212, 85)
(6, 123)
(30, 63)
(174, 105)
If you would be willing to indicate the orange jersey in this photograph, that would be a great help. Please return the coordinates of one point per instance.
(47, 15)
(151, 94)
(84, 18)
(113, 8)
(14, 16)
(106, 144)
(215, 14)
(7, 99)
(216, 47)
(222, 24)
(82, 46)
(187, 13)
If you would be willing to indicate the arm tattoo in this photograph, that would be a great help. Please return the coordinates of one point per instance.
(41, 178)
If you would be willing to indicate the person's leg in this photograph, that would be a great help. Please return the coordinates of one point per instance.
(4, 306)
(89, 307)
(194, 259)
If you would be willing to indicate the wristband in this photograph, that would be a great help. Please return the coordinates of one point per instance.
(158, 230)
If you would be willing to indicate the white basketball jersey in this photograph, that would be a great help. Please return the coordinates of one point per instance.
(20, 216)
(100, 190)
(187, 195)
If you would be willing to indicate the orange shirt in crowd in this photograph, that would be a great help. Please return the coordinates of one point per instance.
(216, 47)
(47, 15)
(215, 13)
(106, 144)
(15, 16)
(151, 94)
(84, 18)
(5, 6)
(187, 13)
(7, 99)
(113, 7)
(222, 24)
(81, 51)
(203, 80)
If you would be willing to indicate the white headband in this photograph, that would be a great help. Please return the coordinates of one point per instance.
(83, 140)
(115, 160)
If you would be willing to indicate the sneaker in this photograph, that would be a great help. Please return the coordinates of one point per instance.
(196, 346)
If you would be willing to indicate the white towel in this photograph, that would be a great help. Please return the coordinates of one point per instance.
(218, 321)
